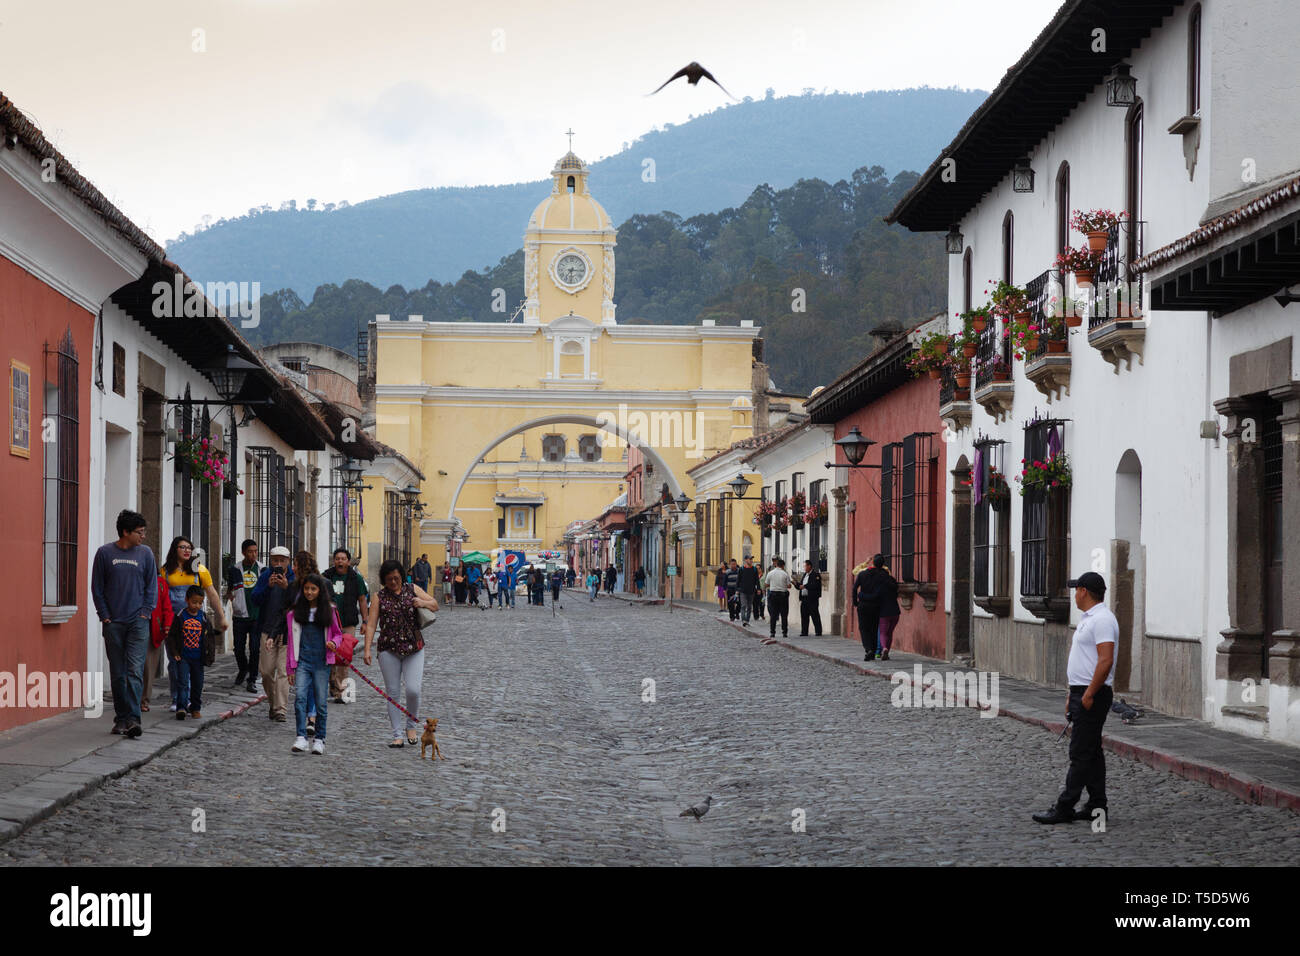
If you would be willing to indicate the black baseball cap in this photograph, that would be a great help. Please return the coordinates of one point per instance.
(1089, 580)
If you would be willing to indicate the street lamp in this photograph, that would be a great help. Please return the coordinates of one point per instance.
(1022, 177)
(955, 242)
(738, 484)
(1121, 87)
(228, 374)
(682, 503)
(855, 447)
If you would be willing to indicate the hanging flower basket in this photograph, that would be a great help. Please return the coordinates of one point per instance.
(207, 465)
(1051, 475)
(998, 491)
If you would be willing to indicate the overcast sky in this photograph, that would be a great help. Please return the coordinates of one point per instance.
(352, 99)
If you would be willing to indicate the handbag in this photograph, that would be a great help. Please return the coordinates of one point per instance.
(424, 618)
(344, 648)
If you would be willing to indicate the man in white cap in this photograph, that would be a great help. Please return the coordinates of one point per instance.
(271, 595)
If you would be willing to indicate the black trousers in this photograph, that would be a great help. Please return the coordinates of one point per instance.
(247, 663)
(809, 610)
(869, 626)
(1087, 764)
(778, 605)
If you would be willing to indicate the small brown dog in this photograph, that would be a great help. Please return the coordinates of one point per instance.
(427, 739)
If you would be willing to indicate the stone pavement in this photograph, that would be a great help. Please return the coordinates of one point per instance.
(1256, 770)
(52, 762)
(579, 738)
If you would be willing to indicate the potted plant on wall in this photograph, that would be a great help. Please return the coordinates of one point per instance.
(998, 492)
(1083, 262)
(1022, 332)
(997, 367)
(1054, 327)
(1069, 310)
(977, 319)
(1009, 300)
(1051, 474)
(798, 504)
(1096, 225)
(933, 355)
(207, 465)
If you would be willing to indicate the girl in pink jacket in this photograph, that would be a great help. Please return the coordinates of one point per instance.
(313, 634)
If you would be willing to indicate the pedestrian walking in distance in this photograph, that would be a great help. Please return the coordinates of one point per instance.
(869, 589)
(124, 588)
(810, 596)
(271, 595)
(312, 635)
(186, 642)
(777, 585)
(889, 611)
(1089, 671)
(720, 582)
(394, 616)
(240, 581)
(747, 582)
(352, 599)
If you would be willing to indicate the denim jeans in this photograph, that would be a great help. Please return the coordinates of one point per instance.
(311, 681)
(746, 605)
(508, 596)
(246, 628)
(189, 682)
(126, 644)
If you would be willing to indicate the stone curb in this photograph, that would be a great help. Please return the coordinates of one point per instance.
(58, 779)
(1243, 786)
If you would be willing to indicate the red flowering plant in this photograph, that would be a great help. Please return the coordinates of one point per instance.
(815, 512)
(764, 515)
(1009, 300)
(798, 504)
(207, 465)
(933, 353)
(1081, 259)
(1094, 220)
(1020, 330)
(1050, 475)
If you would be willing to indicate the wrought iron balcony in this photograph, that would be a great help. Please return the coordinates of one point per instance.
(952, 409)
(1116, 323)
(1048, 368)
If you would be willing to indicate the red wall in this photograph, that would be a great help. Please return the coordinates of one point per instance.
(32, 314)
(912, 407)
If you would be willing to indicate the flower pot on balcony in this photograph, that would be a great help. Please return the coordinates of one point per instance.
(1002, 376)
(1031, 342)
(1073, 321)
(963, 379)
(1056, 346)
(1022, 318)
(935, 374)
(1083, 276)
(979, 323)
(961, 394)
(1097, 240)
(969, 350)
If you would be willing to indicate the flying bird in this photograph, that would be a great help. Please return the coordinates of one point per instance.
(693, 73)
(701, 809)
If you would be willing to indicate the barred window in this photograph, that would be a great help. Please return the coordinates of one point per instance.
(817, 537)
(992, 521)
(397, 530)
(701, 551)
(268, 526)
(62, 455)
(908, 499)
(588, 448)
(1044, 519)
(720, 508)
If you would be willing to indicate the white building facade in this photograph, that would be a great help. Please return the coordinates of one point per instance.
(1180, 416)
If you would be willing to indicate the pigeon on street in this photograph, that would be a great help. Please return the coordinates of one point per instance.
(697, 811)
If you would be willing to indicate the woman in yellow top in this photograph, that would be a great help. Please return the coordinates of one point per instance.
(181, 571)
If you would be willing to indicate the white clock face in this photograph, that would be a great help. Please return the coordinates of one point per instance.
(570, 269)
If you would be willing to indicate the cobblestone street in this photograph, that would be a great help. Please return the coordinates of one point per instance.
(544, 719)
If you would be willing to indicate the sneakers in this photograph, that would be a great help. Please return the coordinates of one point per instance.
(180, 714)
(119, 727)
(173, 707)
(317, 747)
(133, 731)
(300, 745)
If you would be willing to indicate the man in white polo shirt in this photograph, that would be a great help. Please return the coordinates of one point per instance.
(1089, 672)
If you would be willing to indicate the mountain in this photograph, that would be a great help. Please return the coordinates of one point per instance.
(813, 265)
(708, 163)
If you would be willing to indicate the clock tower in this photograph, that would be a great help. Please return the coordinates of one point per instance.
(569, 251)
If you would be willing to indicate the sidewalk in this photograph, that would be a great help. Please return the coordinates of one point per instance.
(50, 763)
(1258, 771)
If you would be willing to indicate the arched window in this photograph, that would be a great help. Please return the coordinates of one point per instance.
(1133, 176)
(1063, 208)
(1008, 244)
(572, 184)
(552, 448)
(965, 281)
(1194, 61)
